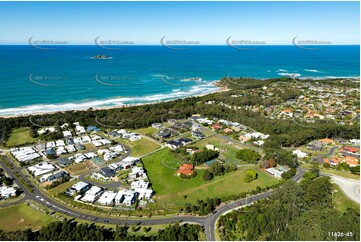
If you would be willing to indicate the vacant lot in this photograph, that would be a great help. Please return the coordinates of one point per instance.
(146, 131)
(22, 217)
(161, 168)
(141, 147)
(20, 137)
(62, 187)
(79, 168)
(228, 149)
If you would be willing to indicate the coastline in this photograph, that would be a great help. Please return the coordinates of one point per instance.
(218, 89)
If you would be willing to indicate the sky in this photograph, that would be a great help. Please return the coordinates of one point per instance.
(204, 22)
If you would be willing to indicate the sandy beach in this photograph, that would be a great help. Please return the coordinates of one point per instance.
(216, 83)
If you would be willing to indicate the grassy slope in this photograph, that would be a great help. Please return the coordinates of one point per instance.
(141, 147)
(19, 137)
(342, 202)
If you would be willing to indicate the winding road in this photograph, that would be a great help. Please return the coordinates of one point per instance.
(208, 222)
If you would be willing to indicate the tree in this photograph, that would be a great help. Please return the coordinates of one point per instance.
(204, 156)
(248, 155)
(289, 174)
(207, 175)
(269, 163)
(250, 176)
(217, 169)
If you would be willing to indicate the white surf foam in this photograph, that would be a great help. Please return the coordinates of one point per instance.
(120, 101)
(313, 70)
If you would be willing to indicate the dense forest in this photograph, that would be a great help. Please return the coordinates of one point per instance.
(302, 211)
(72, 231)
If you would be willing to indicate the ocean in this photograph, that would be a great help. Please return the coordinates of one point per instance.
(34, 80)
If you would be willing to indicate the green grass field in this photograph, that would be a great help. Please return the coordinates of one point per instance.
(230, 149)
(62, 187)
(161, 168)
(141, 147)
(20, 137)
(146, 131)
(22, 217)
(342, 202)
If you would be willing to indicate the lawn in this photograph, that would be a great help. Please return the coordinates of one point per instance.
(22, 217)
(161, 167)
(229, 149)
(146, 131)
(342, 202)
(62, 187)
(141, 147)
(20, 137)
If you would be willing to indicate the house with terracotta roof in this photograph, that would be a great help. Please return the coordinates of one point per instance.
(186, 169)
(334, 161)
(327, 141)
(351, 161)
(216, 126)
(350, 149)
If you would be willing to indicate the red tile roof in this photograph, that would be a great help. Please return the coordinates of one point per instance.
(186, 169)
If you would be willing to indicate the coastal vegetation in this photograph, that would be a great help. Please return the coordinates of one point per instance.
(294, 212)
(72, 231)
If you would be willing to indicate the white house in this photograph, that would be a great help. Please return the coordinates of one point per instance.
(7, 192)
(80, 187)
(107, 198)
(299, 153)
(139, 184)
(92, 194)
(125, 197)
(41, 168)
(144, 193)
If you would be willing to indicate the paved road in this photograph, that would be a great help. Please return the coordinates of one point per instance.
(350, 187)
(209, 222)
(230, 139)
(331, 151)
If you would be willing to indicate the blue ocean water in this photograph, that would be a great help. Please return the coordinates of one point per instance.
(34, 80)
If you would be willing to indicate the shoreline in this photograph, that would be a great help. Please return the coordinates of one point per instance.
(214, 83)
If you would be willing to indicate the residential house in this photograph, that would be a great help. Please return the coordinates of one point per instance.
(107, 198)
(186, 169)
(126, 197)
